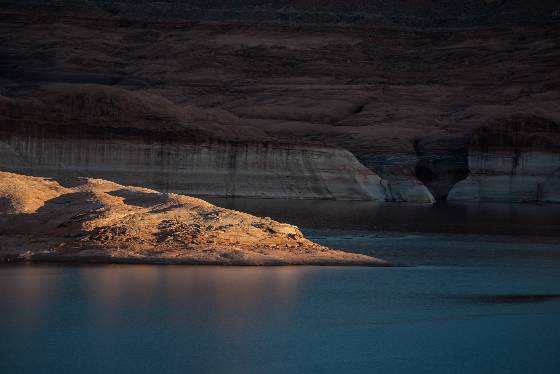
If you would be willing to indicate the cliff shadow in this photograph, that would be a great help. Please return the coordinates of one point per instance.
(441, 164)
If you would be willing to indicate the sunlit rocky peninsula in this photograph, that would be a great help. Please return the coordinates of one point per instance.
(93, 220)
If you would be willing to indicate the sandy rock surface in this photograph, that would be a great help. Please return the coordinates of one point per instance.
(93, 220)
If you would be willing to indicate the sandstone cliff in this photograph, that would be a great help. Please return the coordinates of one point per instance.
(405, 102)
(147, 141)
(417, 13)
(515, 160)
(92, 220)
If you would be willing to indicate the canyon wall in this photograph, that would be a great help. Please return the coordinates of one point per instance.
(516, 160)
(280, 109)
(424, 13)
(203, 169)
(144, 140)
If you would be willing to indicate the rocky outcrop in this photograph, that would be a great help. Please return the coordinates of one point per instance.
(92, 220)
(515, 160)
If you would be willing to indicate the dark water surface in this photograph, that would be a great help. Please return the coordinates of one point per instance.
(483, 218)
(474, 302)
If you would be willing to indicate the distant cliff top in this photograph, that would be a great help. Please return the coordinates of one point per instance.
(410, 13)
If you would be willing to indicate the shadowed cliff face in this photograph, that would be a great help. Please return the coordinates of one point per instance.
(442, 162)
(109, 133)
(516, 159)
(403, 102)
(424, 13)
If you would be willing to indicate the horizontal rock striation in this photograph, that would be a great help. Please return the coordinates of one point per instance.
(92, 220)
(404, 101)
(95, 133)
(425, 13)
(515, 160)
(202, 169)
(549, 189)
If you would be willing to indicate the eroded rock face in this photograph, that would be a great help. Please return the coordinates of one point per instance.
(392, 97)
(550, 188)
(204, 169)
(108, 133)
(516, 159)
(92, 220)
(442, 162)
(426, 13)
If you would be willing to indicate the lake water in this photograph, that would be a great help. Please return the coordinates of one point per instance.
(481, 295)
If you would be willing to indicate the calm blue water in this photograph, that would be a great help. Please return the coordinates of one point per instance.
(465, 306)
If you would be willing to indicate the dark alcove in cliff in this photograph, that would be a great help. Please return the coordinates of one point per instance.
(441, 164)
